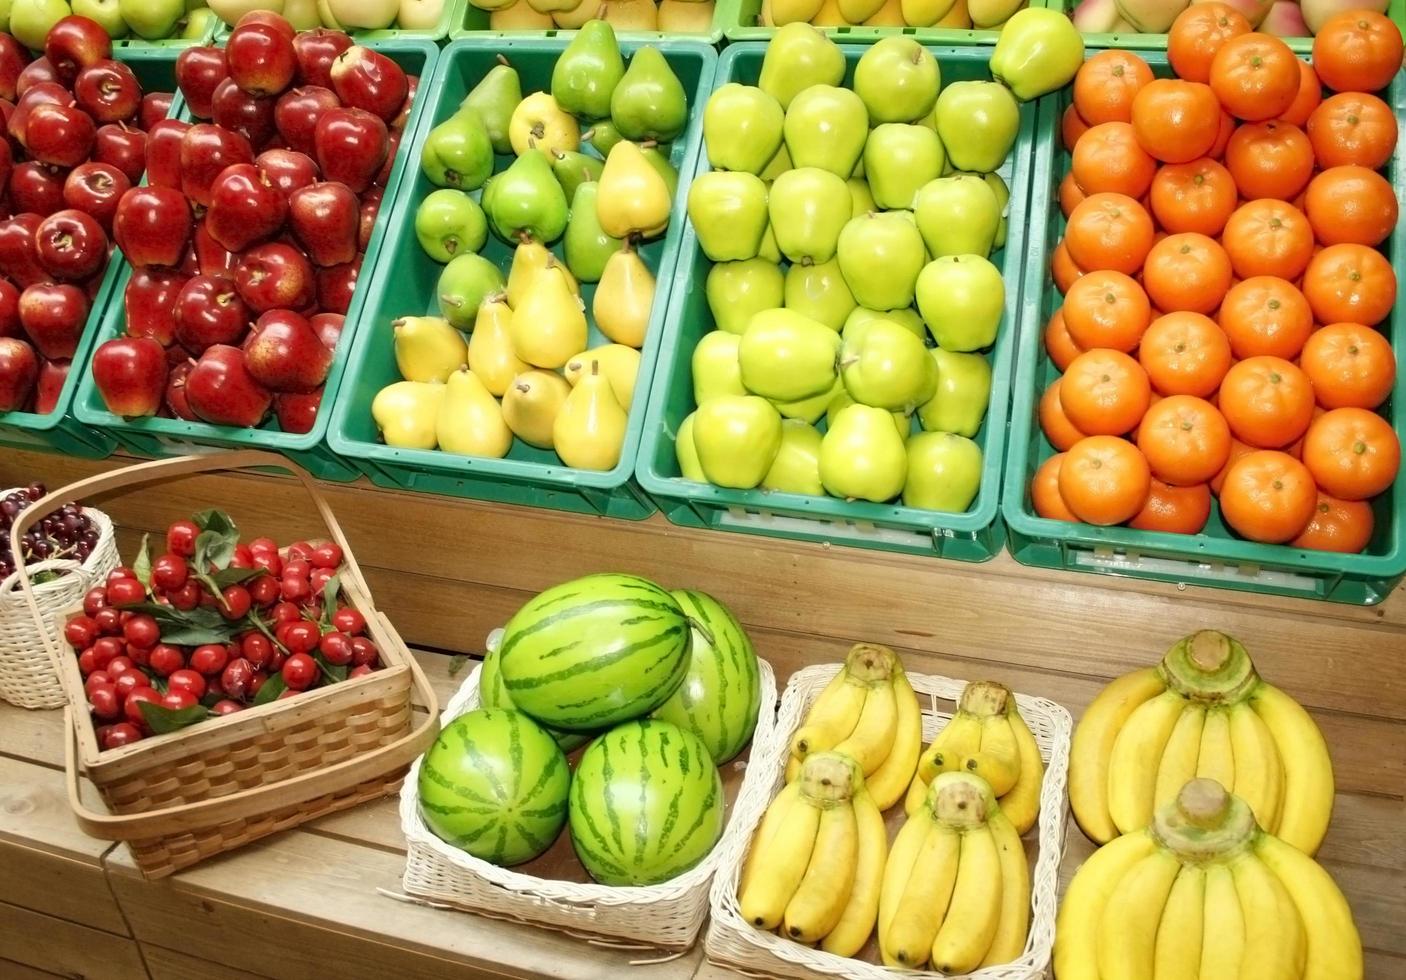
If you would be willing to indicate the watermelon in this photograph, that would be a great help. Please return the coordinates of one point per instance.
(495, 784)
(599, 650)
(492, 694)
(722, 691)
(646, 804)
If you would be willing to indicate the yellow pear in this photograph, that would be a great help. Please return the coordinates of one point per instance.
(491, 355)
(552, 6)
(529, 258)
(549, 325)
(632, 15)
(406, 413)
(785, 12)
(589, 431)
(531, 404)
(925, 13)
(470, 423)
(624, 297)
(572, 20)
(686, 16)
(619, 363)
(427, 348)
(829, 15)
(957, 19)
(633, 198)
(858, 11)
(538, 123)
(519, 16)
(888, 15)
(764, 19)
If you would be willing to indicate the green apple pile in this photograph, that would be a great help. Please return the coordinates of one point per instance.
(668, 16)
(525, 370)
(152, 20)
(338, 15)
(849, 228)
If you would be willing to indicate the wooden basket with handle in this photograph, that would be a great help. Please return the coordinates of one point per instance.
(186, 795)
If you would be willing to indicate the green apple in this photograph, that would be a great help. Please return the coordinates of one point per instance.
(787, 356)
(152, 19)
(105, 13)
(449, 222)
(861, 316)
(729, 214)
(737, 438)
(841, 400)
(899, 159)
(881, 255)
(418, 15)
(1039, 51)
(826, 127)
(862, 197)
(198, 23)
(819, 292)
(30, 20)
(962, 298)
(997, 183)
(812, 409)
(715, 368)
(977, 122)
(796, 468)
(736, 290)
(883, 365)
(963, 392)
(898, 80)
(687, 453)
(797, 57)
(944, 472)
(808, 207)
(958, 215)
(742, 128)
(302, 14)
(369, 15)
(230, 11)
(862, 457)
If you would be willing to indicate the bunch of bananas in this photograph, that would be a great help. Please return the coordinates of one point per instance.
(817, 860)
(1204, 892)
(869, 713)
(986, 736)
(956, 891)
(1201, 712)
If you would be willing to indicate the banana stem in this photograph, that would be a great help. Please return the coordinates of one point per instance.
(1205, 823)
(985, 699)
(1209, 666)
(870, 663)
(960, 800)
(829, 779)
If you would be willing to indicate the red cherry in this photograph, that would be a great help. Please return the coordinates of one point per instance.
(178, 700)
(237, 678)
(108, 621)
(209, 659)
(265, 590)
(165, 660)
(301, 637)
(364, 651)
(189, 681)
(349, 621)
(187, 597)
(94, 600)
(142, 631)
(327, 555)
(80, 632)
(132, 706)
(120, 734)
(180, 538)
(169, 572)
(256, 649)
(299, 671)
(236, 602)
(226, 707)
(336, 648)
(125, 592)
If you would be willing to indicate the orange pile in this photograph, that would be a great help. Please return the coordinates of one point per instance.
(1223, 287)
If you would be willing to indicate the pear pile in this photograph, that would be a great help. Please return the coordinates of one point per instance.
(957, 15)
(509, 357)
(668, 16)
(848, 227)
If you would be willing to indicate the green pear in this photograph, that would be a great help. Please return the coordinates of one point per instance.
(812, 409)
(841, 400)
(470, 421)
(449, 222)
(808, 207)
(787, 356)
(897, 79)
(819, 292)
(587, 72)
(494, 98)
(463, 284)
(898, 160)
(977, 122)
(603, 135)
(826, 127)
(1039, 51)
(797, 57)
(716, 370)
(587, 247)
(796, 468)
(458, 153)
(658, 158)
(589, 431)
(649, 102)
(406, 413)
(997, 183)
(957, 215)
(861, 316)
(885, 366)
(881, 256)
(862, 457)
(531, 404)
(427, 348)
(687, 453)
(862, 197)
(573, 168)
(549, 327)
(958, 404)
(528, 200)
(944, 472)
(736, 290)
(742, 128)
(737, 438)
(962, 298)
(729, 214)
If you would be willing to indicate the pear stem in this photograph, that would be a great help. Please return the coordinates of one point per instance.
(502, 60)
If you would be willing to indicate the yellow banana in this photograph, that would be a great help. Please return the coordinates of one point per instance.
(1022, 803)
(1334, 947)
(1222, 927)
(793, 768)
(1137, 752)
(975, 909)
(898, 868)
(917, 793)
(913, 925)
(838, 703)
(1014, 926)
(782, 866)
(1259, 775)
(1076, 929)
(1308, 770)
(761, 840)
(1127, 930)
(870, 742)
(887, 782)
(1178, 955)
(857, 920)
(961, 736)
(1178, 765)
(1093, 745)
(998, 759)
(824, 891)
(1217, 758)
(1275, 943)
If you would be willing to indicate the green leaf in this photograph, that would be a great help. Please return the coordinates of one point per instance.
(217, 521)
(330, 592)
(272, 688)
(190, 627)
(213, 548)
(142, 566)
(194, 636)
(458, 662)
(337, 672)
(161, 719)
(235, 576)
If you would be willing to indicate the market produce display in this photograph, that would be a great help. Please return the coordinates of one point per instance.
(1282, 18)
(1202, 711)
(1204, 891)
(957, 15)
(1225, 290)
(65, 532)
(212, 626)
(666, 16)
(30, 21)
(339, 15)
(77, 123)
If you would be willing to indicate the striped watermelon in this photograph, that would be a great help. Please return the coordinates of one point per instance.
(599, 650)
(646, 804)
(493, 694)
(720, 694)
(495, 784)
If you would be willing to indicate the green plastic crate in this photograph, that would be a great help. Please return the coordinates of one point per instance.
(1215, 557)
(975, 535)
(740, 21)
(452, 14)
(473, 22)
(162, 437)
(405, 285)
(59, 431)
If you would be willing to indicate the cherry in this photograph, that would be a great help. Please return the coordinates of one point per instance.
(275, 661)
(256, 648)
(236, 678)
(297, 567)
(95, 599)
(187, 597)
(263, 546)
(142, 631)
(364, 652)
(319, 578)
(118, 573)
(349, 621)
(80, 632)
(125, 592)
(256, 682)
(180, 538)
(106, 648)
(166, 660)
(97, 679)
(169, 572)
(285, 612)
(179, 700)
(209, 659)
(103, 698)
(226, 707)
(301, 637)
(300, 549)
(293, 588)
(299, 671)
(187, 680)
(129, 682)
(140, 656)
(132, 706)
(265, 590)
(360, 671)
(326, 555)
(120, 665)
(236, 602)
(120, 734)
(87, 662)
(269, 561)
(287, 693)
(108, 621)
(336, 648)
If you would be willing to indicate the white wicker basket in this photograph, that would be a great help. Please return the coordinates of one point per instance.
(735, 943)
(27, 677)
(664, 917)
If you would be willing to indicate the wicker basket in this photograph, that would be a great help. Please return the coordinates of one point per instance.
(665, 917)
(186, 795)
(27, 678)
(735, 943)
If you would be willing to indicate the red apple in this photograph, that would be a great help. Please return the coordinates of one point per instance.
(287, 170)
(316, 50)
(10, 309)
(297, 111)
(74, 43)
(19, 369)
(7, 163)
(212, 258)
(403, 116)
(329, 328)
(156, 106)
(44, 93)
(152, 226)
(220, 390)
(297, 411)
(123, 147)
(163, 152)
(248, 115)
(130, 374)
(367, 79)
(245, 207)
(370, 207)
(383, 176)
(209, 311)
(269, 19)
(351, 145)
(13, 58)
(206, 150)
(108, 91)
(336, 284)
(36, 188)
(19, 259)
(261, 59)
(53, 315)
(59, 135)
(149, 302)
(275, 276)
(199, 71)
(35, 73)
(283, 353)
(52, 377)
(325, 218)
(95, 188)
(176, 401)
(71, 245)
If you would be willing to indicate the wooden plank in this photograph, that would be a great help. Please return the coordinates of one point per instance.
(66, 948)
(167, 964)
(11, 970)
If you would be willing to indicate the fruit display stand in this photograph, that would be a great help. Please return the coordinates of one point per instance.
(162, 437)
(450, 14)
(975, 535)
(741, 21)
(405, 286)
(1216, 557)
(59, 431)
(474, 22)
